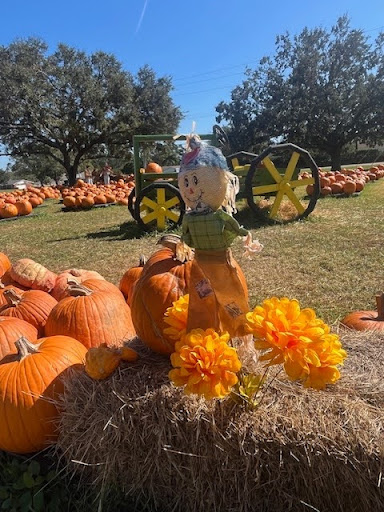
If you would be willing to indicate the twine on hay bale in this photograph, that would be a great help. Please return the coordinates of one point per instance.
(301, 450)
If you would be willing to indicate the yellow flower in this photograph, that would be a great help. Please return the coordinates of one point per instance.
(297, 339)
(205, 364)
(176, 317)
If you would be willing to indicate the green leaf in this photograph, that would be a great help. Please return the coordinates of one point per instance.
(28, 480)
(25, 500)
(38, 502)
(34, 468)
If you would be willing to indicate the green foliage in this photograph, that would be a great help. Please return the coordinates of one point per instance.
(70, 107)
(321, 90)
(26, 486)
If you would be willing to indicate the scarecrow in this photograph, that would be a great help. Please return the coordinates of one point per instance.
(218, 295)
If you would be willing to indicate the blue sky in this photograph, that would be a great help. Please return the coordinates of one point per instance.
(204, 46)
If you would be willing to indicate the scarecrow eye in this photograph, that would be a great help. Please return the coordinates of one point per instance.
(195, 180)
(186, 182)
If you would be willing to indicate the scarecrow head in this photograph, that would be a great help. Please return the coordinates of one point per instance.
(205, 181)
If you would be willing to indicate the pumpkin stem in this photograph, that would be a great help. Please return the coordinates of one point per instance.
(142, 260)
(25, 347)
(12, 298)
(75, 289)
(379, 305)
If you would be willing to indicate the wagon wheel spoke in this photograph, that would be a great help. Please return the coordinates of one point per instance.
(268, 164)
(291, 166)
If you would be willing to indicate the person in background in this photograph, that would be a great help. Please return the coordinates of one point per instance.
(88, 175)
(106, 173)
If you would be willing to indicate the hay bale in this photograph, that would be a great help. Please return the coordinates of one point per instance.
(300, 450)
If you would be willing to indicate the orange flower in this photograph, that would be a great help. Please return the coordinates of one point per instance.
(176, 317)
(297, 339)
(205, 364)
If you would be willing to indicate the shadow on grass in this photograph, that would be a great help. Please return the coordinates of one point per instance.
(126, 231)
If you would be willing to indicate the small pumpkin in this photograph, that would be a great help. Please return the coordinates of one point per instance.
(102, 361)
(30, 383)
(153, 167)
(129, 280)
(92, 316)
(33, 306)
(367, 320)
(33, 275)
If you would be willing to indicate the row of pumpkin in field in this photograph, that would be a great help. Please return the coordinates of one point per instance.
(346, 181)
(84, 195)
(21, 202)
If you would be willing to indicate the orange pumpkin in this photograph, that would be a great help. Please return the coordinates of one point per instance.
(129, 280)
(11, 329)
(153, 167)
(80, 275)
(33, 306)
(23, 207)
(8, 210)
(92, 316)
(367, 320)
(30, 383)
(5, 263)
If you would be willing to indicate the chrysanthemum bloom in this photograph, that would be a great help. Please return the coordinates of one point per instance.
(176, 317)
(297, 339)
(205, 364)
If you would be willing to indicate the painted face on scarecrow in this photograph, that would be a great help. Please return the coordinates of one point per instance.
(203, 187)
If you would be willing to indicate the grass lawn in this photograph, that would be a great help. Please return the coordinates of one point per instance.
(331, 262)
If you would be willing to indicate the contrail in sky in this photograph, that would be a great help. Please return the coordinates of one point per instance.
(141, 16)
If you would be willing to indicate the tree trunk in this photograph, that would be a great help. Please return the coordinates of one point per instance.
(335, 155)
(72, 171)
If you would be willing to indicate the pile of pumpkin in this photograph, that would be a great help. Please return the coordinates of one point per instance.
(346, 181)
(21, 202)
(84, 196)
(52, 324)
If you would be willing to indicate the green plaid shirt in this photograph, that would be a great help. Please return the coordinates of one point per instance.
(211, 231)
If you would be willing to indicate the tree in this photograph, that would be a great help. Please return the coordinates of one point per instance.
(321, 90)
(69, 107)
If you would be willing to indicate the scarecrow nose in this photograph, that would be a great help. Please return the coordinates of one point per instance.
(191, 190)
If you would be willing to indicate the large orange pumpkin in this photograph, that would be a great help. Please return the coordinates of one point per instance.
(30, 382)
(33, 306)
(92, 316)
(33, 275)
(163, 280)
(11, 329)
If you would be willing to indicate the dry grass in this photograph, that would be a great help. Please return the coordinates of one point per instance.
(301, 450)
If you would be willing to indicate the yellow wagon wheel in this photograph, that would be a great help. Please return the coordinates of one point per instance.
(278, 193)
(159, 205)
